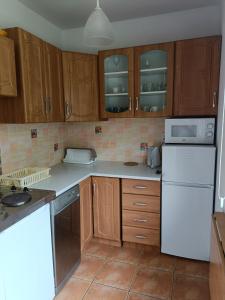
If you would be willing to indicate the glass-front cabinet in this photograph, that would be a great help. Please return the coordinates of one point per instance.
(154, 74)
(137, 82)
(116, 83)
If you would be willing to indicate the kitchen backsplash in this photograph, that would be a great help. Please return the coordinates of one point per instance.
(117, 139)
(19, 150)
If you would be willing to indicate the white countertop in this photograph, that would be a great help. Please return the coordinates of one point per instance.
(64, 176)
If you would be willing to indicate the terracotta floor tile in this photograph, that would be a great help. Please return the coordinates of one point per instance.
(154, 283)
(128, 255)
(134, 296)
(102, 292)
(154, 259)
(190, 288)
(116, 274)
(99, 250)
(89, 267)
(192, 267)
(75, 289)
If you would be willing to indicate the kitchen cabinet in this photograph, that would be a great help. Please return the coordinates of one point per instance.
(141, 211)
(8, 85)
(197, 76)
(217, 261)
(86, 211)
(154, 75)
(137, 82)
(80, 86)
(106, 207)
(39, 96)
(116, 71)
(26, 258)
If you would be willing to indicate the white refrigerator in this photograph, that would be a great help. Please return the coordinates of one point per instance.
(187, 200)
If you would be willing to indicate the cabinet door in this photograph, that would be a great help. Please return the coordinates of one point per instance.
(154, 75)
(86, 212)
(217, 267)
(106, 202)
(53, 83)
(197, 77)
(116, 83)
(33, 77)
(7, 68)
(80, 86)
(28, 264)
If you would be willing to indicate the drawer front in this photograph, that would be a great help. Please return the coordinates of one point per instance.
(141, 219)
(141, 235)
(141, 187)
(141, 203)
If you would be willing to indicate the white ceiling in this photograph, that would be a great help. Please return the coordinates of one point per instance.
(74, 13)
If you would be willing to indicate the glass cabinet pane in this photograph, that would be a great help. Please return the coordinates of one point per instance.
(153, 81)
(116, 84)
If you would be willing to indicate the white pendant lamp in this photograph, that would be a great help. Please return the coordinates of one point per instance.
(98, 29)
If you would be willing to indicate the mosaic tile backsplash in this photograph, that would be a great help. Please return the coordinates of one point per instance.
(117, 140)
(20, 150)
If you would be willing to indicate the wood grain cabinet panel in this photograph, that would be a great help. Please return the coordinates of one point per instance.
(106, 206)
(142, 187)
(80, 86)
(197, 76)
(141, 235)
(141, 203)
(8, 85)
(86, 211)
(217, 266)
(141, 219)
(38, 66)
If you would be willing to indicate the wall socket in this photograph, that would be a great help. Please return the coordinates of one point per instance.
(56, 147)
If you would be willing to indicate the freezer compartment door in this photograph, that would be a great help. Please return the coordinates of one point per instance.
(188, 164)
(186, 219)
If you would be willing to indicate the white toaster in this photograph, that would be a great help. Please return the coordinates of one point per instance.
(80, 156)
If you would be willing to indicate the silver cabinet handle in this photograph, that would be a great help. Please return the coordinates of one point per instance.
(137, 103)
(140, 220)
(140, 204)
(214, 99)
(130, 103)
(140, 187)
(141, 237)
(67, 110)
(94, 188)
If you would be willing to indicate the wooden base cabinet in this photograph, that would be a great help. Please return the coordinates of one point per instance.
(86, 212)
(8, 85)
(197, 66)
(40, 97)
(106, 207)
(141, 211)
(217, 261)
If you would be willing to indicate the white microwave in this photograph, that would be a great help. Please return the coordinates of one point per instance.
(190, 131)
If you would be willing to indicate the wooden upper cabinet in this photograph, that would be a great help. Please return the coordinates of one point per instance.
(39, 81)
(154, 75)
(53, 79)
(86, 212)
(80, 86)
(116, 76)
(197, 76)
(7, 68)
(106, 206)
(32, 71)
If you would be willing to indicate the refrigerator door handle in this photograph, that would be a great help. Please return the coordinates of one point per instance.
(183, 184)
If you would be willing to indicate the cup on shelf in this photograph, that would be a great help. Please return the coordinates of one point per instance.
(154, 108)
(146, 108)
(115, 90)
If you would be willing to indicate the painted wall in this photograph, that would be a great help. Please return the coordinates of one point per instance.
(154, 29)
(120, 139)
(220, 184)
(19, 150)
(13, 13)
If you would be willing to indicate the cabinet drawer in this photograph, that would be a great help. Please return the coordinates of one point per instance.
(141, 235)
(141, 203)
(141, 219)
(143, 187)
